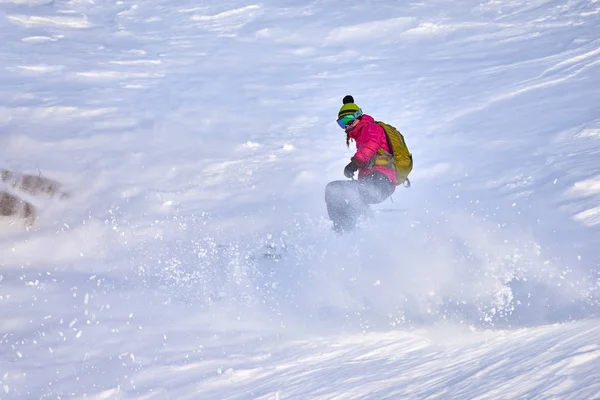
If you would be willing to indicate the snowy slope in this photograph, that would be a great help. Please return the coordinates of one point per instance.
(194, 138)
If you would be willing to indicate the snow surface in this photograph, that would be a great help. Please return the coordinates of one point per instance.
(192, 258)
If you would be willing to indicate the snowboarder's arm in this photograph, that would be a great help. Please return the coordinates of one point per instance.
(372, 135)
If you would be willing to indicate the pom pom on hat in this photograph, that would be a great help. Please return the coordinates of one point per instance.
(349, 106)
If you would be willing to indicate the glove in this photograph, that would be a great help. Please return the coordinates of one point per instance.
(350, 170)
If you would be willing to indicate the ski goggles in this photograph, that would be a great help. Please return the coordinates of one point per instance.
(346, 120)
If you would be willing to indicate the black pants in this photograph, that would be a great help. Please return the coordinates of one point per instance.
(347, 200)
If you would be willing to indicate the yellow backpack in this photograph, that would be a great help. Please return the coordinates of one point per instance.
(400, 159)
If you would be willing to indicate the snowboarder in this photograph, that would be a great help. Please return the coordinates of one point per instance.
(377, 175)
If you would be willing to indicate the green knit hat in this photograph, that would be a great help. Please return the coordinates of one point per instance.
(349, 107)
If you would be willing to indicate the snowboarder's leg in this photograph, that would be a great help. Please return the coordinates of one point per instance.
(375, 188)
(344, 204)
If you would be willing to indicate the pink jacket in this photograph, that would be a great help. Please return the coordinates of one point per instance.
(369, 138)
